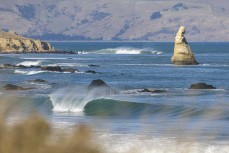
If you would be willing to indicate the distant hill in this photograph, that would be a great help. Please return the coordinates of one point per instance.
(153, 20)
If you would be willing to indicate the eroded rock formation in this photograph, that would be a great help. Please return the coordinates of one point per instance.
(182, 52)
(12, 42)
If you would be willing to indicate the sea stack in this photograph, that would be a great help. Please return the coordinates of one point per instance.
(182, 52)
(11, 42)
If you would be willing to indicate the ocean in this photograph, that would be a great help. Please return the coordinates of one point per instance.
(175, 119)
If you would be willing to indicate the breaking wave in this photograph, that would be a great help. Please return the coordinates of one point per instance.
(79, 99)
(29, 63)
(123, 50)
(73, 99)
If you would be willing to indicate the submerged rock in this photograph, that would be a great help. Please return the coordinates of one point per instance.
(10, 66)
(152, 91)
(71, 70)
(91, 71)
(7, 66)
(92, 65)
(11, 42)
(201, 86)
(182, 52)
(38, 81)
(100, 88)
(59, 69)
(14, 87)
(52, 68)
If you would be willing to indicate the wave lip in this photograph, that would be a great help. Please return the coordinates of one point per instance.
(74, 99)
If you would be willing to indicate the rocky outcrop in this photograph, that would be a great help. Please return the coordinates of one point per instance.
(201, 86)
(44, 68)
(152, 91)
(51, 68)
(10, 66)
(12, 42)
(14, 87)
(182, 52)
(100, 88)
(59, 69)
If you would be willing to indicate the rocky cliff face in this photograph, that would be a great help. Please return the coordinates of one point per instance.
(12, 42)
(182, 52)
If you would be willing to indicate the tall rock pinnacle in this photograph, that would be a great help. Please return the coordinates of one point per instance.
(182, 52)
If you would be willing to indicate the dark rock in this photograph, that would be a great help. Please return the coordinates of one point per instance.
(97, 83)
(10, 66)
(7, 66)
(52, 68)
(34, 66)
(21, 67)
(152, 91)
(38, 81)
(201, 86)
(101, 87)
(92, 65)
(71, 70)
(14, 87)
(91, 71)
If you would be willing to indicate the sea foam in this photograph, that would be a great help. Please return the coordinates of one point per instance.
(28, 72)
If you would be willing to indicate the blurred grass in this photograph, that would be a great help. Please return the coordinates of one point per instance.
(35, 135)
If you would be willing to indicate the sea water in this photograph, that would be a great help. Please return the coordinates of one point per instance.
(149, 122)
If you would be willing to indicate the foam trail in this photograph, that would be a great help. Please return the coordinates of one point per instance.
(28, 72)
(29, 63)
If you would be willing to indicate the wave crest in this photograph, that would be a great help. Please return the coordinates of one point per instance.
(123, 50)
(73, 99)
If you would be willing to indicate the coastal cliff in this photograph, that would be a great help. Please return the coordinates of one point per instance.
(12, 42)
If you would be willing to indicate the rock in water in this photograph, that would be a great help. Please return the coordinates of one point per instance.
(14, 87)
(12, 42)
(100, 88)
(38, 81)
(201, 86)
(52, 68)
(70, 70)
(182, 52)
(152, 91)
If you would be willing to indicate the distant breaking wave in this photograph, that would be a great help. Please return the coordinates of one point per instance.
(29, 63)
(123, 50)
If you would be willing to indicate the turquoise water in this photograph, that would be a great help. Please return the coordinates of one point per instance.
(128, 67)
